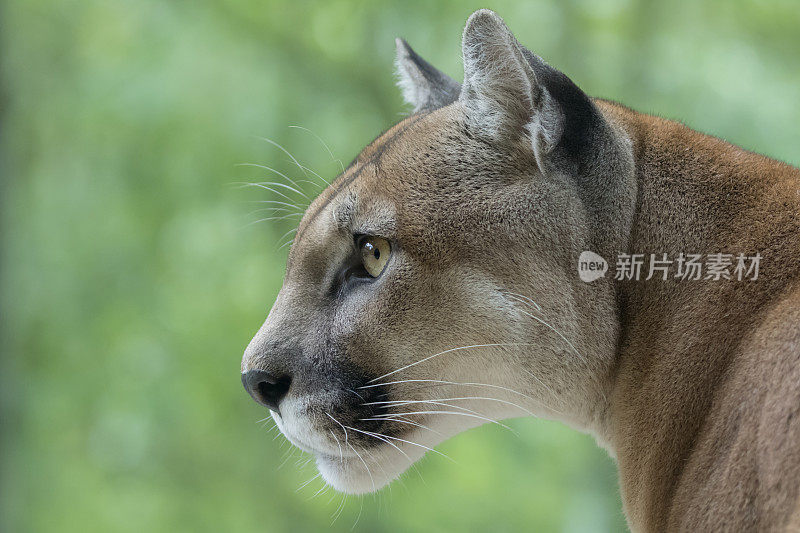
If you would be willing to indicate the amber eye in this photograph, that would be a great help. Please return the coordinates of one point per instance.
(374, 253)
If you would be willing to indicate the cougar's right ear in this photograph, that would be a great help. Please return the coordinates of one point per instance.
(423, 86)
(502, 94)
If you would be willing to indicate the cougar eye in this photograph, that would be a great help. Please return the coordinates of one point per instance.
(374, 252)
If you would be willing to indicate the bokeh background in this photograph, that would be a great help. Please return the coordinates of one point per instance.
(133, 274)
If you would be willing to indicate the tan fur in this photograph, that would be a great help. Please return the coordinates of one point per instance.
(705, 414)
(693, 386)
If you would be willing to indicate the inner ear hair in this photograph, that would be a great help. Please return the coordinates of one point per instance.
(502, 95)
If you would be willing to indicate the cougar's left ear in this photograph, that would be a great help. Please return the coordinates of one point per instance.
(423, 86)
(502, 95)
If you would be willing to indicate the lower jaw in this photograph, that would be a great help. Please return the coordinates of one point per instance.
(349, 475)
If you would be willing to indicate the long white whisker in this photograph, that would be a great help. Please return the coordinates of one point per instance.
(460, 398)
(323, 144)
(339, 444)
(285, 151)
(465, 410)
(276, 218)
(259, 185)
(287, 234)
(383, 438)
(412, 443)
(287, 243)
(340, 424)
(451, 413)
(527, 300)
(287, 187)
(278, 202)
(274, 210)
(346, 441)
(301, 487)
(339, 509)
(317, 175)
(443, 382)
(442, 353)
(365, 465)
(403, 421)
(322, 489)
(281, 174)
(556, 332)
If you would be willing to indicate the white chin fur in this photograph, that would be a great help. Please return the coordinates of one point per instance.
(355, 469)
(376, 468)
(379, 465)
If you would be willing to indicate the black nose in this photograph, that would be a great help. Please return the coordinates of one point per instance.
(266, 388)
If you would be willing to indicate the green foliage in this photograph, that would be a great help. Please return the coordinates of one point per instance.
(131, 280)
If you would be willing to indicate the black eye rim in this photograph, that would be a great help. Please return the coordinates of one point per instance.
(353, 273)
(356, 267)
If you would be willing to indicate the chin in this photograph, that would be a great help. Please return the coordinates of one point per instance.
(373, 470)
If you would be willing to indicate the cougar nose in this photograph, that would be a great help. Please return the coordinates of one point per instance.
(266, 388)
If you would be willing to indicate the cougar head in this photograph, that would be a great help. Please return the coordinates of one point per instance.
(433, 286)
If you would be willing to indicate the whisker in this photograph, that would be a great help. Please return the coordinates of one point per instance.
(335, 159)
(279, 217)
(285, 151)
(301, 487)
(287, 187)
(365, 465)
(346, 441)
(529, 302)
(281, 174)
(444, 352)
(340, 425)
(268, 219)
(265, 184)
(518, 297)
(383, 438)
(338, 512)
(360, 510)
(274, 210)
(287, 243)
(557, 333)
(357, 394)
(322, 489)
(403, 421)
(452, 413)
(289, 456)
(443, 382)
(462, 398)
(259, 185)
(465, 410)
(287, 234)
(339, 444)
(317, 175)
(278, 202)
(409, 442)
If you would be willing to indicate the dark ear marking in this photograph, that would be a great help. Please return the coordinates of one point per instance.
(502, 95)
(423, 85)
(507, 90)
(581, 117)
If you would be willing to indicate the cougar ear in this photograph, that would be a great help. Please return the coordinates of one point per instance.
(501, 93)
(423, 86)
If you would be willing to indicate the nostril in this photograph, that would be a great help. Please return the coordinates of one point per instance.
(273, 393)
(266, 388)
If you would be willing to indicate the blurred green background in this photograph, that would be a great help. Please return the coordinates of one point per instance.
(132, 277)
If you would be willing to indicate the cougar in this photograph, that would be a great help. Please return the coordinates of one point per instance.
(436, 286)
